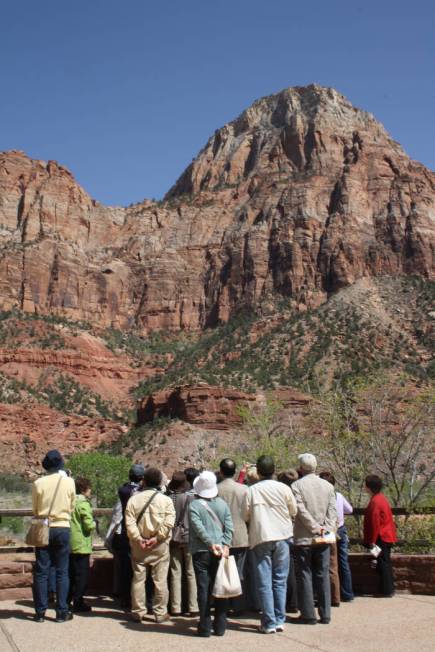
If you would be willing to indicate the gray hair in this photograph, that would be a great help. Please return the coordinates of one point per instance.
(307, 462)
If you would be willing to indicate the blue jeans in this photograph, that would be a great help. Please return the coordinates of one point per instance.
(343, 564)
(271, 568)
(55, 554)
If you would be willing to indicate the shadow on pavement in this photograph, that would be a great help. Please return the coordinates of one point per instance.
(20, 615)
(178, 626)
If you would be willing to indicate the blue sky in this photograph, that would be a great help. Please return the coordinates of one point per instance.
(126, 92)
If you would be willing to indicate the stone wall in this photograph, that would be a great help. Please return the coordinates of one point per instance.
(413, 574)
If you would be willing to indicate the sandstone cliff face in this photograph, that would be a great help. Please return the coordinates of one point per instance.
(214, 408)
(301, 195)
(26, 435)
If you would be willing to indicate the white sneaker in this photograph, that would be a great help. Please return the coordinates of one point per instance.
(265, 630)
(280, 628)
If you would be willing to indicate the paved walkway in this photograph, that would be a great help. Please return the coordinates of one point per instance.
(405, 623)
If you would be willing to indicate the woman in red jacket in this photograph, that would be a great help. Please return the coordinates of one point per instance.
(379, 529)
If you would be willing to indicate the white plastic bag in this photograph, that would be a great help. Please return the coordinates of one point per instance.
(227, 583)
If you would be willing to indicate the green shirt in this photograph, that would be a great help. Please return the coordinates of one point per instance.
(82, 525)
(204, 531)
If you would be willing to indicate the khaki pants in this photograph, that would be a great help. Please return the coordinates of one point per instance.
(157, 560)
(180, 557)
(333, 575)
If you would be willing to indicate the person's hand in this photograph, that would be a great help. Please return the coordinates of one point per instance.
(216, 549)
(143, 544)
(151, 542)
(225, 551)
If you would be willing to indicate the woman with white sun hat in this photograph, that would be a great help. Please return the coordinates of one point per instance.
(211, 532)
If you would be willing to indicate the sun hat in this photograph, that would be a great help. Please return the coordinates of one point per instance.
(205, 485)
(307, 462)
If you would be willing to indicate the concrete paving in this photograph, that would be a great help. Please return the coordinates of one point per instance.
(405, 623)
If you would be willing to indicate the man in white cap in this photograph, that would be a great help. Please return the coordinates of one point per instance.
(210, 533)
(316, 516)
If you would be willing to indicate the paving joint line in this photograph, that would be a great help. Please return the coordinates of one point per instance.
(308, 645)
(285, 634)
(8, 636)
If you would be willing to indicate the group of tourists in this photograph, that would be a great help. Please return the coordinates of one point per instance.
(170, 538)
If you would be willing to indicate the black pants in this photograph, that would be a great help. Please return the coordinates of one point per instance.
(312, 570)
(240, 555)
(385, 569)
(78, 577)
(205, 565)
(292, 593)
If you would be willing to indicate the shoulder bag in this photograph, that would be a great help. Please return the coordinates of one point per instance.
(180, 534)
(145, 507)
(213, 514)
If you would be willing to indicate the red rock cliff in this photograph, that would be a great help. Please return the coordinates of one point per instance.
(299, 196)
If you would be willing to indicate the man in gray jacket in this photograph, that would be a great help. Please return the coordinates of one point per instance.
(235, 495)
(316, 515)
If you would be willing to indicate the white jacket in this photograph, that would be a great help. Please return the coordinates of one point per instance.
(270, 507)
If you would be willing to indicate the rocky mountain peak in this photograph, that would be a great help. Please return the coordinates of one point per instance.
(299, 196)
(299, 129)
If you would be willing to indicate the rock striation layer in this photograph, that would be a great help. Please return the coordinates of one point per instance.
(214, 408)
(301, 195)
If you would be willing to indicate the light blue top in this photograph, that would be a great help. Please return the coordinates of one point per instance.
(204, 531)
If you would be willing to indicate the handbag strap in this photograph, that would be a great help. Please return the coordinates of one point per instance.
(213, 514)
(145, 507)
(54, 497)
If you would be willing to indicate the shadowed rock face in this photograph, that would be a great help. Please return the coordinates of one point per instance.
(211, 407)
(301, 195)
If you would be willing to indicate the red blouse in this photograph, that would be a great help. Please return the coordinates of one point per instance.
(378, 521)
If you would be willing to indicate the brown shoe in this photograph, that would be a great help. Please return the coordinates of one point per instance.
(137, 618)
(163, 619)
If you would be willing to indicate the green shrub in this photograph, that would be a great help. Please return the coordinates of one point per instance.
(106, 473)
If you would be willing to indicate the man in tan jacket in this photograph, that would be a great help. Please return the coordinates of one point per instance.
(53, 497)
(316, 516)
(149, 519)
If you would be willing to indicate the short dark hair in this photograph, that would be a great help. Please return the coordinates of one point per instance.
(178, 482)
(82, 485)
(374, 483)
(327, 475)
(191, 473)
(288, 477)
(227, 467)
(265, 466)
(152, 477)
